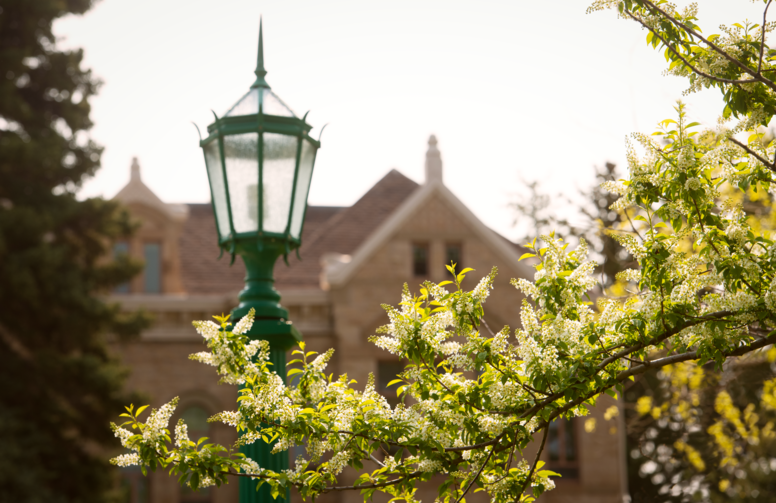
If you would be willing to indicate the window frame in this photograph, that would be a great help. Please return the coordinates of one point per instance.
(122, 247)
(417, 246)
(569, 469)
(381, 382)
(160, 278)
(458, 263)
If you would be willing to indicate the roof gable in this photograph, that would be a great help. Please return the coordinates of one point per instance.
(507, 251)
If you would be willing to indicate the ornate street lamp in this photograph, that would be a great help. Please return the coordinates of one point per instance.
(259, 159)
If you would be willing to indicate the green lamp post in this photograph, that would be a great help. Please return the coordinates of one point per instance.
(259, 159)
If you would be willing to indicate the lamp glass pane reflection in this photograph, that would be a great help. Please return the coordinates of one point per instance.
(242, 172)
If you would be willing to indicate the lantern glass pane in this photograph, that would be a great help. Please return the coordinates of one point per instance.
(273, 105)
(278, 179)
(216, 176)
(247, 105)
(242, 175)
(270, 104)
(306, 160)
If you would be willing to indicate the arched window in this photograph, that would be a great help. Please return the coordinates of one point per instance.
(195, 418)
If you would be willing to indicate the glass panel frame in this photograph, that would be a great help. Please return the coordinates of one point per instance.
(218, 194)
(304, 176)
(279, 161)
(241, 160)
(230, 225)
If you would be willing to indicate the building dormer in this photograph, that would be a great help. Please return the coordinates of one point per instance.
(156, 242)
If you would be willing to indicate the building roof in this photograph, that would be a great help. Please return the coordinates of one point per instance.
(201, 269)
(327, 229)
(344, 232)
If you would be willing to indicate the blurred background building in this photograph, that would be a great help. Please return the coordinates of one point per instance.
(353, 259)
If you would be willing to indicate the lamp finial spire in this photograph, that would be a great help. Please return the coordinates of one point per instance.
(260, 71)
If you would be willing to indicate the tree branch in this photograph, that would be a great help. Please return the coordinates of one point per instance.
(661, 362)
(375, 485)
(751, 152)
(536, 459)
(476, 476)
(684, 60)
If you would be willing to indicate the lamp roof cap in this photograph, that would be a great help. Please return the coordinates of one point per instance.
(260, 97)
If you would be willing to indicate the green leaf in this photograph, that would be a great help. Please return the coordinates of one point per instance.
(526, 255)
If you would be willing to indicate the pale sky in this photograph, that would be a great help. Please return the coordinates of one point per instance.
(512, 89)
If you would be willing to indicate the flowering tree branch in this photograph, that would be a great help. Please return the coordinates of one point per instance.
(754, 154)
(706, 291)
(688, 29)
(684, 60)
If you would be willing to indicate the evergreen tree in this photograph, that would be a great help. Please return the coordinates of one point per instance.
(60, 387)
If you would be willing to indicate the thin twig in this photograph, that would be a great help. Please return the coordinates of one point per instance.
(762, 40)
(760, 158)
(633, 226)
(479, 472)
(536, 460)
(434, 374)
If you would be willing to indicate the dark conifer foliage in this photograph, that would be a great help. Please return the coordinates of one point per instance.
(59, 387)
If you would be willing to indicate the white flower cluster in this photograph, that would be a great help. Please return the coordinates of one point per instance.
(233, 367)
(157, 422)
(631, 244)
(629, 275)
(181, 434)
(127, 460)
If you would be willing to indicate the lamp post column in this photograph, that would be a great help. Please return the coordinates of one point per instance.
(270, 324)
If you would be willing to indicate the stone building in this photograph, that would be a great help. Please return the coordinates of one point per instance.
(353, 259)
